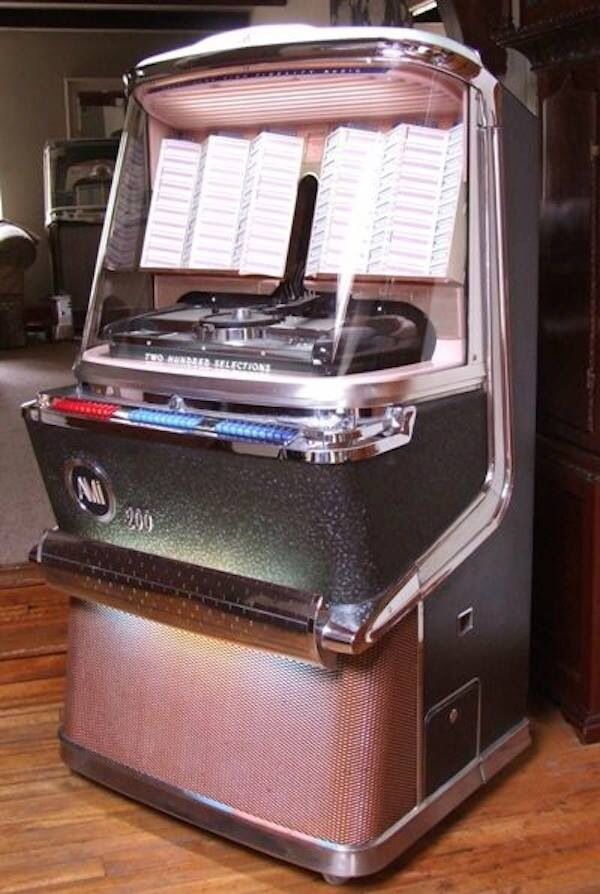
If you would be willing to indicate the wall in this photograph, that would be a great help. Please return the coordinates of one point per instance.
(33, 66)
(315, 12)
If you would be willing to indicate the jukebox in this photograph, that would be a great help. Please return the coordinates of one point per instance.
(293, 494)
(77, 181)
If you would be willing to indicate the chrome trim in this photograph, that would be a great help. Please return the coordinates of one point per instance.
(39, 549)
(379, 44)
(420, 732)
(356, 391)
(91, 317)
(47, 176)
(475, 309)
(242, 38)
(81, 460)
(31, 410)
(326, 857)
(371, 438)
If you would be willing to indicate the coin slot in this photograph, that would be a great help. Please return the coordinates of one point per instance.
(464, 621)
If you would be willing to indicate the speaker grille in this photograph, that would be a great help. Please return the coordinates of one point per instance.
(328, 753)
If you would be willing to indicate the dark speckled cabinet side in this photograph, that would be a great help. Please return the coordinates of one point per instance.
(495, 582)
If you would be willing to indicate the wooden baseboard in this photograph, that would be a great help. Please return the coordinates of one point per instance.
(33, 616)
(23, 575)
(586, 723)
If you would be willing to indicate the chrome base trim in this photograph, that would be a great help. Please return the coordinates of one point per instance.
(326, 857)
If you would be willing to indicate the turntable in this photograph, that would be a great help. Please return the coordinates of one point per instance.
(261, 338)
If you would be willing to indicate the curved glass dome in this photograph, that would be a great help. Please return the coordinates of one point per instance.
(291, 221)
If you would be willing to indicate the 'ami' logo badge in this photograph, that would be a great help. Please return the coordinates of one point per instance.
(90, 488)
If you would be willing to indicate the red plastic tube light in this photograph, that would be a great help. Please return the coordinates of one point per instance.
(91, 408)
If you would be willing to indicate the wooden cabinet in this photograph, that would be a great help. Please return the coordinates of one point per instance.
(549, 12)
(562, 41)
(566, 605)
(568, 332)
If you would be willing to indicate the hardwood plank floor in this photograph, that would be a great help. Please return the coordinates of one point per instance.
(533, 830)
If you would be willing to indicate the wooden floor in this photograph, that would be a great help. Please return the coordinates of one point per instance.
(534, 829)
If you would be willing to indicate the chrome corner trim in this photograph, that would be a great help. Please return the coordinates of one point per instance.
(366, 442)
(39, 547)
(342, 861)
(30, 410)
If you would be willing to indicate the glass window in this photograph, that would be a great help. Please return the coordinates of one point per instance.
(308, 221)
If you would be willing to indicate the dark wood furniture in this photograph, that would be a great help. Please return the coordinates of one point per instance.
(562, 40)
(476, 24)
(566, 605)
(129, 15)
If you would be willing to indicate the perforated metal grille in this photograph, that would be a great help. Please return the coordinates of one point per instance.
(329, 753)
(224, 605)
